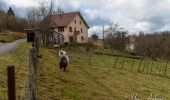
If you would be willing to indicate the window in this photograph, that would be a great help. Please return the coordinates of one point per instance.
(80, 22)
(81, 30)
(74, 29)
(75, 21)
(60, 29)
(70, 29)
(82, 38)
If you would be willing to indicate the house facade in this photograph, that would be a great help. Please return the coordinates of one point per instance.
(72, 25)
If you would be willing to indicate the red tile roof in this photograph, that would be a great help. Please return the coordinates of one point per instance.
(64, 19)
(132, 38)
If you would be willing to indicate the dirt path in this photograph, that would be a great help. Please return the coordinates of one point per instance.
(7, 48)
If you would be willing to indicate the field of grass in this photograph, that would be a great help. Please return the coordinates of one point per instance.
(98, 81)
(129, 62)
(11, 36)
(20, 61)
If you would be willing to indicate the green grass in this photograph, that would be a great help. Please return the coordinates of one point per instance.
(20, 61)
(98, 81)
(11, 36)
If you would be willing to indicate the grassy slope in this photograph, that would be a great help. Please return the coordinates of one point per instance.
(98, 81)
(20, 61)
(11, 36)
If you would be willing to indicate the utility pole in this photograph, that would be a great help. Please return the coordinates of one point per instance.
(103, 40)
(103, 36)
(5, 21)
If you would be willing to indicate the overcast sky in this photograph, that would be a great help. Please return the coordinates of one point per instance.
(133, 15)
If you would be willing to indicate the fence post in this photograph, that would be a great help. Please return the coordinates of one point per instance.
(123, 64)
(133, 64)
(151, 67)
(114, 66)
(140, 64)
(148, 67)
(166, 66)
(90, 55)
(32, 74)
(11, 83)
(160, 69)
(144, 67)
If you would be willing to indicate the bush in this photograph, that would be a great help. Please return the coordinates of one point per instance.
(120, 55)
(89, 45)
(11, 36)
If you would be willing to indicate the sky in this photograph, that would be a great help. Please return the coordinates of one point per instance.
(132, 15)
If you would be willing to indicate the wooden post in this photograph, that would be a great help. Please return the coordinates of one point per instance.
(156, 68)
(140, 64)
(160, 68)
(90, 54)
(32, 74)
(116, 62)
(148, 67)
(11, 83)
(133, 65)
(123, 63)
(151, 67)
(166, 67)
(144, 67)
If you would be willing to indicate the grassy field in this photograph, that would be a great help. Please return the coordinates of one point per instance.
(11, 36)
(98, 81)
(20, 61)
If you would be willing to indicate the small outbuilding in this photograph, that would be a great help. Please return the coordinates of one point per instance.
(45, 36)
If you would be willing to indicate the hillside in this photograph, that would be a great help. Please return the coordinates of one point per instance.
(96, 81)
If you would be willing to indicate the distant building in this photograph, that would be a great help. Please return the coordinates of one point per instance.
(72, 25)
(130, 46)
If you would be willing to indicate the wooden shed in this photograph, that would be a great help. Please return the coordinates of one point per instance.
(45, 36)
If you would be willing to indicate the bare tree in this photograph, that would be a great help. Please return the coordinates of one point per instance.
(1, 16)
(32, 17)
(0, 5)
(116, 37)
(42, 15)
(154, 45)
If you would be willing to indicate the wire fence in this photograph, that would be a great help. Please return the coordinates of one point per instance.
(128, 63)
(25, 75)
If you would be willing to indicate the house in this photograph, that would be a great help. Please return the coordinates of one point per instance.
(130, 46)
(72, 25)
